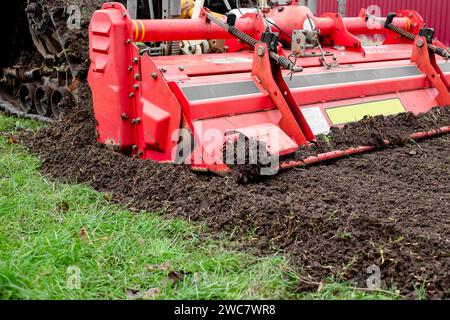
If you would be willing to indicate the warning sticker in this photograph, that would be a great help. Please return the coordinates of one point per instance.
(355, 112)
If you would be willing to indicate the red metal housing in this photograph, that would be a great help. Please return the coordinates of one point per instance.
(435, 12)
(151, 107)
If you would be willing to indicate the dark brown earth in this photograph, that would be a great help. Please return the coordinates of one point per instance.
(390, 208)
(374, 131)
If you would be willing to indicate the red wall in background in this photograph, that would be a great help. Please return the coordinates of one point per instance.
(435, 12)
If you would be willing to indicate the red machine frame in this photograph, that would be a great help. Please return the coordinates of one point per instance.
(142, 102)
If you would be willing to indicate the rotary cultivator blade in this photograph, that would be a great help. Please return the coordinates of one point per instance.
(284, 77)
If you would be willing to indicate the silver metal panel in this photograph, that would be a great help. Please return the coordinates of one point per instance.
(344, 77)
(214, 91)
(132, 7)
(445, 67)
(222, 90)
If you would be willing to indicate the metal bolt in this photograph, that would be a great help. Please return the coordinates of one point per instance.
(420, 43)
(128, 41)
(135, 60)
(130, 68)
(124, 15)
(136, 76)
(181, 68)
(134, 147)
(124, 116)
(136, 86)
(261, 51)
(140, 153)
(154, 75)
(131, 94)
(163, 70)
(136, 121)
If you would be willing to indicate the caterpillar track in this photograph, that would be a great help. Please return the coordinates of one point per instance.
(47, 56)
(47, 53)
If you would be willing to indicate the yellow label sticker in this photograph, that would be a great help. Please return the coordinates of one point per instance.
(355, 112)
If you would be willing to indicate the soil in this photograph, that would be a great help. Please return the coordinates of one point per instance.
(375, 131)
(389, 208)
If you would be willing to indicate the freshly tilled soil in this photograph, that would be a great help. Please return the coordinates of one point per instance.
(389, 208)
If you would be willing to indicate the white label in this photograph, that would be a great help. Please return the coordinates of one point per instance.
(316, 120)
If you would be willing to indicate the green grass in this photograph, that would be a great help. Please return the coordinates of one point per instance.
(50, 231)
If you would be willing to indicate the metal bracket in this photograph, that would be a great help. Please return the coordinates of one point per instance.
(426, 62)
(269, 75)
(171, 9)
(309, 39)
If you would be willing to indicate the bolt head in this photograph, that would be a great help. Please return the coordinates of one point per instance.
(420, 43)
(154, 75)
(261, 51)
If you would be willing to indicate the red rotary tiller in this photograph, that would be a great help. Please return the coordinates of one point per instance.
(285, 77)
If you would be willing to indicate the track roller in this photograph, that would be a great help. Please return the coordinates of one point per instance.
(26, 96)
(60, 101)
(42, 100)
